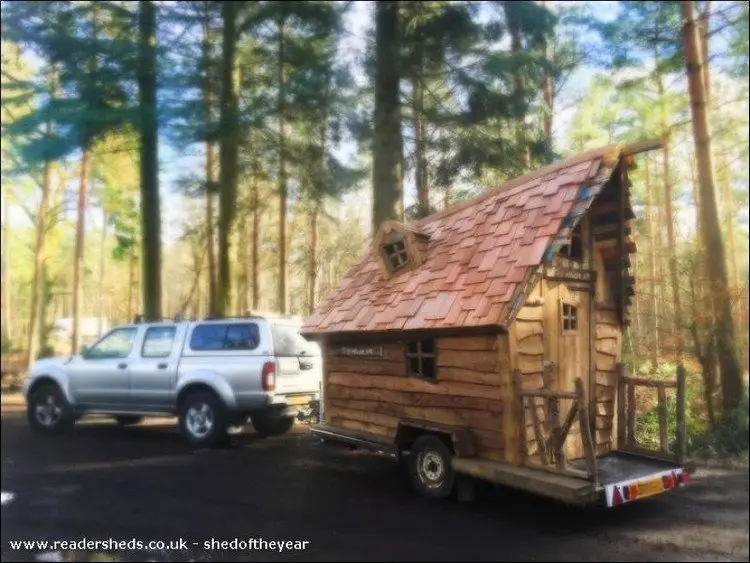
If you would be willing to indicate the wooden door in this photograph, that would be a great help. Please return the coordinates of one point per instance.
(567, 326)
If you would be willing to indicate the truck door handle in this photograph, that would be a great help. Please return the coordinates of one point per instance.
(162, 366)
(122, 366)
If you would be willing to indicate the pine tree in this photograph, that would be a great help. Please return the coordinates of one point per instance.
(731, 376)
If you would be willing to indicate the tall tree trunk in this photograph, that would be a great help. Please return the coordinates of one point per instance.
(662, 311)
(150, 208)
(654, 346)
(516, 47)
(387, 149)
(78, 253)
(731, 375)
(547, 95)
(418, 122)
(242, 251)
(6, 309)
(210, 238)
(102, 254)
(256, 232)
(131, 286)
(672, 247)
(37, 285)
(227, 152)
(210, 167)
(283, 196)
(312, 263)
(705, 20)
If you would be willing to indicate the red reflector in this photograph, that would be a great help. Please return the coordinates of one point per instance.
(269, 376)
(616, 496)
(668, 481)
(684, 478)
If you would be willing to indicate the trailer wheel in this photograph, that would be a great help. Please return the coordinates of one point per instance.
(431, 468)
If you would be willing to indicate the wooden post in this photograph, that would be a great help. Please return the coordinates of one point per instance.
(520, 415)
(621, 428)
(681, 431)
(553, 422)
(663, 424)
(631, 415)
(538, 432)
(583, 421)
(547, 382)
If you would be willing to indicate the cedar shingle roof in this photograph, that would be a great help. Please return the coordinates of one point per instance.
(477, 256)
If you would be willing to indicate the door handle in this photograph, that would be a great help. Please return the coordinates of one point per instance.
(162, 366)
(122, 366)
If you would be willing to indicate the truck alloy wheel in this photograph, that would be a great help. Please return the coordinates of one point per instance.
(48, 411)
(431, 468)
(202, 419)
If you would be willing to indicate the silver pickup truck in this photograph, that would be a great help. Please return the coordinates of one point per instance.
(214, 375)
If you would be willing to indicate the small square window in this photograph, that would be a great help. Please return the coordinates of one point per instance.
(395, 252)
(569, 317)
(420, 356)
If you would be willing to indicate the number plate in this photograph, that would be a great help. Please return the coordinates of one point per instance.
(650, 488)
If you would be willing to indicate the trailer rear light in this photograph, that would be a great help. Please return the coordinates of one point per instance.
(683, 478)
(269, 376)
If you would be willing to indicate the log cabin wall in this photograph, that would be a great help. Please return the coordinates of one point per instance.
(612, 243)
(472, 389)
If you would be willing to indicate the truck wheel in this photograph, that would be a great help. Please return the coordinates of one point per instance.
(203, 419)
(127, 420)
(48, 411)
(271, 424)
(431, 468)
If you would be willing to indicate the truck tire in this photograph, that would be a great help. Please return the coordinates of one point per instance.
(202, 419)
(431, 467)
(128, 420)
(271, 424)
(48, 410)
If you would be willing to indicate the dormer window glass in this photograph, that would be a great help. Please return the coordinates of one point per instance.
(395, 251)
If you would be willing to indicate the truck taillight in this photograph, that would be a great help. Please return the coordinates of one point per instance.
(269, 376)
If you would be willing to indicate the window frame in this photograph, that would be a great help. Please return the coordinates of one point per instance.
(420, 356)
(145, 339)
(566, 250)
(571, 317)
(93, 347)
(223, 348)
(398, 250)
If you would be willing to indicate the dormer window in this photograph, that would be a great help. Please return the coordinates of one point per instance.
(398, 248)
(395, 251)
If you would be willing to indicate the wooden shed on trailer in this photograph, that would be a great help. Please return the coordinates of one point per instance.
(495, 327)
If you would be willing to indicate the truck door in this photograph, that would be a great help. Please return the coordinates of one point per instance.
(99, 377)
(153, 369)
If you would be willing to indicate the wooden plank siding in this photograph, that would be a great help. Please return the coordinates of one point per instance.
(373, 394)
(608, 342)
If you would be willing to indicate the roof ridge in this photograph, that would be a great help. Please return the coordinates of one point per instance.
(515, 182)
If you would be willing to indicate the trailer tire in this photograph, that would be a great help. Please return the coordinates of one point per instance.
(431, 467)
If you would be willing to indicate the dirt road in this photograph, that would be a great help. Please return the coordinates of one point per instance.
(141, 483)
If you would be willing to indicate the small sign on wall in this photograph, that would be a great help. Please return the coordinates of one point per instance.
(360, 351)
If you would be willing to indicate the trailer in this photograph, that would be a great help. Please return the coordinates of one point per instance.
(485, 341)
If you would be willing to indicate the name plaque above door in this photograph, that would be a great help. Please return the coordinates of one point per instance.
(360, 351)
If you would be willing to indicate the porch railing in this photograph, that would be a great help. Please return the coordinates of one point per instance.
(627, 414)
(549, 434)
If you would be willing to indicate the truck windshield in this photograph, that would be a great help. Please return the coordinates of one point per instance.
(287, 341)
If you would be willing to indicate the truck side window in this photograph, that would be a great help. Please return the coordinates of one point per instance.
(214, 337)
(117, 344)
(242, 337)
(158, 342)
